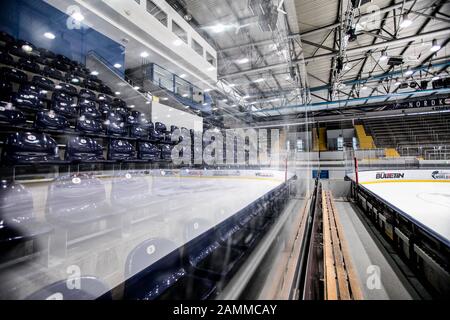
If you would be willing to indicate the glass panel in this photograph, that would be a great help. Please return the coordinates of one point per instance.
(155, 11)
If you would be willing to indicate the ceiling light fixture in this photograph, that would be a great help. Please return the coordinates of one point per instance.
(397, 82)
(183, 75)
(117, 65)
(178, 42)
(243, 60)
(406, 21)
(258, 80)
(435, 78)
(384, 56)
(94, 73)
(49, 35)
(144, 54)
(409, 72)
(117, 93)
(435, 46)
(218, 28)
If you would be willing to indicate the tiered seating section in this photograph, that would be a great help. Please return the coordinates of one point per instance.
(48, 100)
(365, 141)
(411, 135)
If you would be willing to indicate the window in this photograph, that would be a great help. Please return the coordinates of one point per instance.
(197, 47)
(210, 59)
(179, 31)
(155, 11)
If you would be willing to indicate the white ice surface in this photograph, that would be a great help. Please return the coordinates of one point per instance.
(427, 202)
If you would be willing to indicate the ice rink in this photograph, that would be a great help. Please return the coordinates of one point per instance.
(165, 206)
(428, 203)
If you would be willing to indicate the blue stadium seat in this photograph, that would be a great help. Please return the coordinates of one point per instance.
(115, 126)
(87, 124)
(13, 75)
(148, 151)
(17, 223)
(6, 90)
(73, 79)
(6, 58)
(119, 103)
(162, 133)
(166, 152)
(105, 89)
(137, 131)
(11, 116)
(53, 73)
(28, 64)
(77, 199)
(28, 100)
(123, 112)
(87, 94)
(133, 118)
(130, 192)
(43, 83)
(88, 108)
(154, 270)
(59, 65)
(17, 50)
(121, 150)
(90, 288)
(30, 148)
(83, 149)
(62, 97)
(80, 71)
(105, 109)
(91, 85)
(67, 109)
(45, 53)
(30, 87)
(50, 120)
(67, 88)
(104, 98)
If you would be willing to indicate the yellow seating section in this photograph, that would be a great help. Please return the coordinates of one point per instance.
(365, 142)
(323, 139)
(315, 140)
(391, 153)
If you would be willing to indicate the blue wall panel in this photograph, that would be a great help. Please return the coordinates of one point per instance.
(30, 19)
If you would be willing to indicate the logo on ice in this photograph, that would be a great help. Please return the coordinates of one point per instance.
(226, 147)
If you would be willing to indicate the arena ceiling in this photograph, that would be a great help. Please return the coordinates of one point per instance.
(322, 54)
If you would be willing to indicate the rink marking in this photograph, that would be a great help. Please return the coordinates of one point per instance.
(409, 180)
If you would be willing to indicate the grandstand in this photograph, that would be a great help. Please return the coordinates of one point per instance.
(237, 150)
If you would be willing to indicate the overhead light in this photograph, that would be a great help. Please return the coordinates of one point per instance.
(186, 107)
(234, 105)
(178, 42)
(258, 80)
(409, 72)
(144, 54)
(215, 109)
(117, 65)
(406, 21)
(168, 116)
(77, 16)
(183, 75)
(246, 97)
(384, 56)
(27, 48)
(164, 99)
(435, 46)
(211, 68)
(243, 60)
(205, 104)
(397, 82)
(207, 90)
(49, 35)
(147, 102)
(185, 95)
(218, 28)
(224, 100)
(117, 93)
(132, 106)
(94, 73)
(232, 85)
(435, 78)
(364, 87)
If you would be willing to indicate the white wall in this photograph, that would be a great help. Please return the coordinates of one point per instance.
(174, 117)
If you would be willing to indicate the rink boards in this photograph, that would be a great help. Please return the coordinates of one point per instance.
(422, 196)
